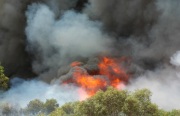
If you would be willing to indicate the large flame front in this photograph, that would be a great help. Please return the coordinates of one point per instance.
(110, 74)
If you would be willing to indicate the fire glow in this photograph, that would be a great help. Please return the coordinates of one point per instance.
(112, 69)
(110, 74)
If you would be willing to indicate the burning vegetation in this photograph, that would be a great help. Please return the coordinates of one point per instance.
(110, 73)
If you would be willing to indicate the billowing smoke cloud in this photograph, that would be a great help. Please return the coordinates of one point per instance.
(57, 42)
(164, 33)
(164, 84)
(13, 54)
(145, 30)
(148, 32)
(124, 17)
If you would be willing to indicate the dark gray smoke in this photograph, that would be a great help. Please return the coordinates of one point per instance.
(145, 30)
(13, 53)
(12, 37)
(124, 17)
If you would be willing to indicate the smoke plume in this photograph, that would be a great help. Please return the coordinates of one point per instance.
(59, 42)
(164, 84)
(13, 44)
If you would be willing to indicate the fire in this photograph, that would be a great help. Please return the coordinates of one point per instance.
(90, 83)
(111, 73)
(76, 63)
(111, 68)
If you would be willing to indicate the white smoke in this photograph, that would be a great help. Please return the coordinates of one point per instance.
(175, 59)
(163, 83)
(22, 92)
(59, 40)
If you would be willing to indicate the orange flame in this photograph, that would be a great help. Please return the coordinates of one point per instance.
(89, 83)
(112, 69)
(76, 63)
(109, 68)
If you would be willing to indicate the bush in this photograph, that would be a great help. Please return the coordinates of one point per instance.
(4, 81)
(34, 107)
(113, 102)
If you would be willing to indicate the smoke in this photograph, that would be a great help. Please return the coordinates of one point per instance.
(43, 37)
(59, 6)
(22, 92)
(147, 31)
(164, 33)
(175, 59)
(163, 83)
(60, 41)
(163, 80)
(12, 37)
(124, 18)
(13, 53)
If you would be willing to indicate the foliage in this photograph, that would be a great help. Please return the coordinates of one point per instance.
(109, 102)
(58, 112)
(113, 102)
(37, 107)
(41, 114)
(50, 105)
(174, 113)
(139, 103)
(4, 81)
(7, 110)
(69, 108)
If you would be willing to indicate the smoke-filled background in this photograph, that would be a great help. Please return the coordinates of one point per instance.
(40, 38)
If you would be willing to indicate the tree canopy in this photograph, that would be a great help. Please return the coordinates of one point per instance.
(113, 102)
(4, 80)
(38, 107)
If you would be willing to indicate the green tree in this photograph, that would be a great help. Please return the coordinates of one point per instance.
(69, 108)
(131, 106)
(162, 113)
(8, 110)
(58, 112)
(102, 103)
(139, 103)
(113, 102)
(86, 108)
(4, 81)
(34, 107)
(41, 114)
(174, 113)
(50, 105)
